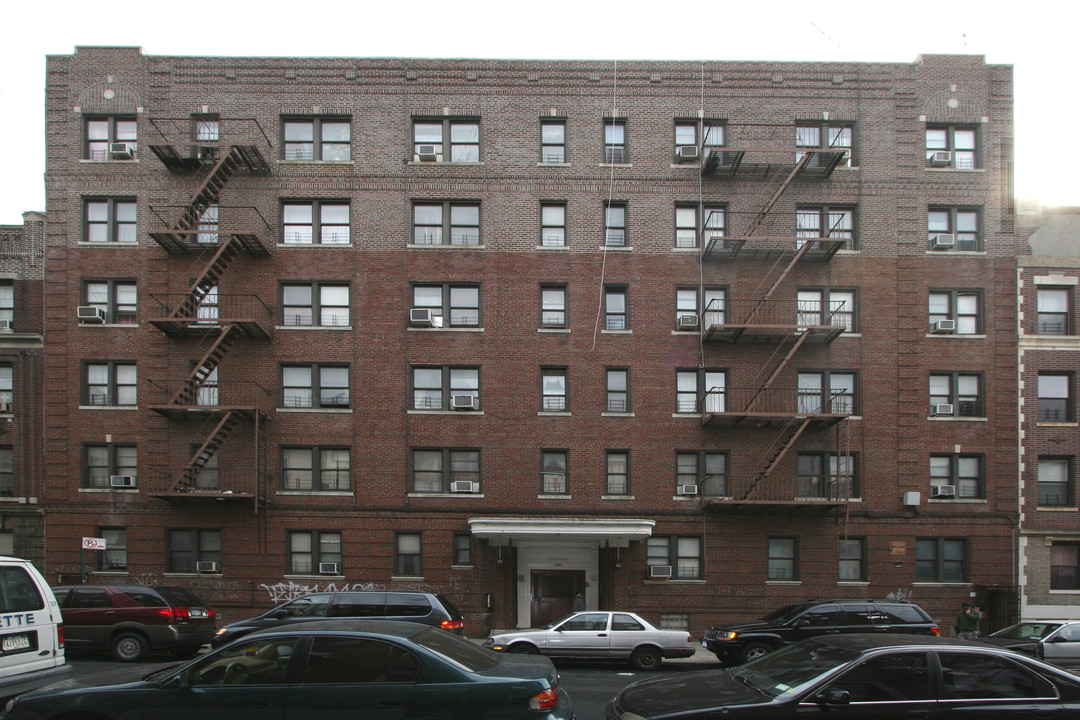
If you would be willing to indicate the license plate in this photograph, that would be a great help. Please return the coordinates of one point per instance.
(15, 642)
(197, 612)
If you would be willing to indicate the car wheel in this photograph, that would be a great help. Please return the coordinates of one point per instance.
(130, 647)
(753, 651)
(524, 649)
(646, 658)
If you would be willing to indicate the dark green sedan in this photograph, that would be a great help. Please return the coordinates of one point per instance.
(326, 670)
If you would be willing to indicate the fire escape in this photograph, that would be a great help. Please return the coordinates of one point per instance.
(207, 323)
(784, 326)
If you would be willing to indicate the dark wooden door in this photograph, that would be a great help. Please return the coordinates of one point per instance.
(553, 594)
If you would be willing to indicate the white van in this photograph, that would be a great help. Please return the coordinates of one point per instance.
(31, 630)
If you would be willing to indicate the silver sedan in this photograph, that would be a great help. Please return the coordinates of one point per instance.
(1055, 641)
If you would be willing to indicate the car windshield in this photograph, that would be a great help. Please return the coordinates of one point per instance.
(467, 654)
(558, 622)
(788, 670)
(785, 613)
(1027, 631)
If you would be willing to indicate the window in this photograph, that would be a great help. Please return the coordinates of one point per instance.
(310, 549)
(209, 476)
(1055, 397)
(462, 549)
(956, 476)
(103, 133)
(407, 557)
(682, 553)
(208, 226)
(315, 304)
(189, 547)
(328, 139)
(617, 387)
(7, 301)
(111, 220)
(101, 462)
(615, 224)
(941, 560)
(1065, 566)
(688, 228)
(615, 317)
(434, 470)
(1055, 482)
(688, 308)
(205, 127)
(783, 559)
(687, 134)
(430, 136)
(826, 222)
(114, 556)
(829, 392)
(951, 146)
(7, 471)
(851, 558)
(315, 469)
(435, 223)
(829, 307)
(553, 141)
(553, 224)
(956, 395)
(954, 228)
(706, 470)
(445, 387)
(315, 386)
(553, 476)
(553, 306)
(110, 383)
(553, 389)
(7, 386)
(460, 303)
(963, 308)
(824, 137)
(615, 142)
(617, 474)
(1054, 311)
(700, 390)
(827, 475)
(316, 222)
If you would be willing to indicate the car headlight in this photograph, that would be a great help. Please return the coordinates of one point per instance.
(727, 636)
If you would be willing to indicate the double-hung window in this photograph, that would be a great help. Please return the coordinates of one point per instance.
(615, 224)
(706, 135)
(617, 472)
(837, 223)
(851, 559)
(552, 141)
(463, 549)
(681, 554)
(438, 470)
(315, 304)
(553, 306)
(117, 299)
(322, 138)
(110, 384)
(1065, 566)
(459, 303)
(103, 461)
(961, 311)
(952, 146)
(114, 556)
(615, 311)
(315, 469)
(707, 471)
(315, 386)
(431, 138)
(956, 395)
(553, 389)
(688, 228)
(7, 301)
(111, 220)
(192, 549)
(829, 392)
(617, 388)
(1055, 482)
(7, 387)
(553, 224)
(554, 479)
(315, 222)
(1054, 307)
(111, 138)
(692, 304)
(783, 563)
(408, 555)
(956, 476)
(953, 229)
(700, 390)
(7, 471)
(824, 136)
(1055, 397)
(941, 560)
(826, 475)
(827, 306)
(314, 551)
(446, 223)
(615, 142)
(445, 388)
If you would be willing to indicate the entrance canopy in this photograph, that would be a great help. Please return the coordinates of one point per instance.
(612, 532)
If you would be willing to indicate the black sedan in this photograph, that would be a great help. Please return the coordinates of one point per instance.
(326, 670)
(862, 676)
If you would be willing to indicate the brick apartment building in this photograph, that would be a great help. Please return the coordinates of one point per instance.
(693, 339)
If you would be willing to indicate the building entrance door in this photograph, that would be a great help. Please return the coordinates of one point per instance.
(553, 594)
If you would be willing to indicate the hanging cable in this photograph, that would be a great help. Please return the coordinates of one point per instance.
(611, 190)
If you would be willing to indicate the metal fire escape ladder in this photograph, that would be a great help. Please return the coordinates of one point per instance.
(761, 391)
(178, 238)
(778, 448)
(188, 393)
(207, 281)
(189, 478)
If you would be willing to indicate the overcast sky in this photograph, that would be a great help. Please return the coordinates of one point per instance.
(1038, 37)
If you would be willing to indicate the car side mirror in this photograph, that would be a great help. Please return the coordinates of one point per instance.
(833, 696)
(801, 623)
(279, 614)
(177, 681)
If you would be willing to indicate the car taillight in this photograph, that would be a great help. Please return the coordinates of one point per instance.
(935, 630)
(60, 635)
(546, 700)
(452, 624)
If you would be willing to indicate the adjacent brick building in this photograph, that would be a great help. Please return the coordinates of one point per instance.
(693, 339)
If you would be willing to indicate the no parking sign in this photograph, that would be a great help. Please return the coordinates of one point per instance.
(93, 543)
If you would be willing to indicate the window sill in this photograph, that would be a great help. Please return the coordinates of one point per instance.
(191, 575)
(617, 497)
(554, 413)
(932, 583)
(313, 576)
(408, 578)
(952, 418)
(88, 161)
(315, 493)
(478, 495)
(958, 501)
(347, 246)
(552, 164)
(852, 583)
(554, 497)
(1063, 592)
(326, 411)
(954, 170)
(109, 244)
(133, 326)
(687, 250)
(462, 567)
(616, 165)
(414, 411)
(1057, 508)
(109, 573)
(680, 581)
(108, 407)
(783, 582)
(444, 163)
(618, 414)
(283, 161)
(554, 331)
(954, 336)
(445, 329)
(690, 416)
(122, 491)
(954, 253)
(616, 248)
(413, 246)
(616, 332)
(19, 500)
(557, 248)
(314, 327)
(1056, 424)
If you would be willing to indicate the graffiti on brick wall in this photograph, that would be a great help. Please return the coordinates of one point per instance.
(291, 589)
(210, 590)
(900, 595)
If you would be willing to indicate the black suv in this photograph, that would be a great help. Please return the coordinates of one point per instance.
(418, 607)
(742, 642)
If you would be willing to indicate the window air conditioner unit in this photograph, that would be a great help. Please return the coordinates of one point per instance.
(90, 314)
(426, 153)
(688, 489)
(659, 571)
(688, 322)
(463, 402)
(122, 481)
(944, 491)
(205, 566)
(463, 486)
(329, 569)
(686, 153)
(944, 327)
(121, 151)
(5, 326)
(941, 409)
(939, 158)
(5, 408)
(946, 241)
(421, 317)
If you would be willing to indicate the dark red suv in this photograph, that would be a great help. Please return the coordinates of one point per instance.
(131, 621)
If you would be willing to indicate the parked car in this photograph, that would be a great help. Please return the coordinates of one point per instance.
(743, 642)
(602, 636)
(420, 607)
(1056, 642)
(326, 669)
(31, 630)
(132, 621)
(858, 676)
